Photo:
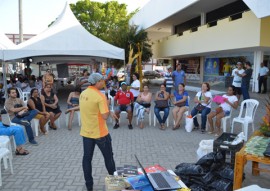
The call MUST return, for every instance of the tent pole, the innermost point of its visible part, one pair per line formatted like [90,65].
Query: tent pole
[4,78]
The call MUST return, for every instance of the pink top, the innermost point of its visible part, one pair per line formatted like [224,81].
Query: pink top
[145,97]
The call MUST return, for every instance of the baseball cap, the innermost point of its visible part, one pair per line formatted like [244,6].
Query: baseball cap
[168,67]
[123,83]
[94,78]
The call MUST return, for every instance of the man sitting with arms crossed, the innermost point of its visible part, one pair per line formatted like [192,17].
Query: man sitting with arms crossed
[11,108]
[123,100]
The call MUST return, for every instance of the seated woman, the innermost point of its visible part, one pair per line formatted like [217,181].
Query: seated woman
[51,105]
[203,99]
[161,100]
[73,101]
[181,105]
[224,109]
[114,86]
[143,104]
[35,103]
[18,133]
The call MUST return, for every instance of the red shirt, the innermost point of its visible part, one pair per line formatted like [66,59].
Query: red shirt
[124,98]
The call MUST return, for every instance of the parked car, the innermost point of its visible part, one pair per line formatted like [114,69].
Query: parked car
[161,72]
[149,74]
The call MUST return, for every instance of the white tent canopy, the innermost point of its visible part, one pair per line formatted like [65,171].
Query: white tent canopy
[66,37]
[5,42]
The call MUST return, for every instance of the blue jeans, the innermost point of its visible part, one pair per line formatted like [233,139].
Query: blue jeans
[166,114]
[16,131]
[105,146]
[245,93]
[168,90]
[28,128]
[204,114]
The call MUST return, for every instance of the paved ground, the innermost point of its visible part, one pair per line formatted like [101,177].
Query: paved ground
[56,163]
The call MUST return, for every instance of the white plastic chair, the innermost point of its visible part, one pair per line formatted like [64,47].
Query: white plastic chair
[5,143]
[5,154]
[23,95]
[155,119]
[122,112]
[248,116]
[224,121]
[78,116]
[35,124]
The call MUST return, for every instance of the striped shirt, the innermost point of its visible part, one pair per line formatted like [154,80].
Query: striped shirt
[86,84]
[169,80]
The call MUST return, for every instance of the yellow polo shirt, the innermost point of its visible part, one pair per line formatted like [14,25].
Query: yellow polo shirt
[92,104]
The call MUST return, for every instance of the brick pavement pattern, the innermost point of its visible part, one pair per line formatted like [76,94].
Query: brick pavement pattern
[56,163]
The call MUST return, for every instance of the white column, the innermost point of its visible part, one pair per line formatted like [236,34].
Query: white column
[258,59]
[203,18]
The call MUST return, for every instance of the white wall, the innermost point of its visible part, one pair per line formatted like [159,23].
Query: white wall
[158,10]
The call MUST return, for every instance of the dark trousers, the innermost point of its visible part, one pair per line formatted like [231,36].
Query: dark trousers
[244,89]
[204,114]
[28,128]
[263,81]
[105,146]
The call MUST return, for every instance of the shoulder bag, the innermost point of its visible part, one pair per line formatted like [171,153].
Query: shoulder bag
[200,106]
[161,103]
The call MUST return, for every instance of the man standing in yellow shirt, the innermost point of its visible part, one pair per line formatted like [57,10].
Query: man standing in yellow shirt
[94,112]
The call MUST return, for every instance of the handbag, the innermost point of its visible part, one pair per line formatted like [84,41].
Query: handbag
[161,103]
[200,107]
[181,104]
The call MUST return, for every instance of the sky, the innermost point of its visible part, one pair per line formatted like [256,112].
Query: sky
[38,14]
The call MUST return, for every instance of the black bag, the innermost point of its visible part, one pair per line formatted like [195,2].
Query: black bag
[145,104]
[161,103]
[21,115]
[112,93]
[200,107]
[189,169]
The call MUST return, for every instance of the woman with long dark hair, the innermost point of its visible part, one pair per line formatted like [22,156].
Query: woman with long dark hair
[35,103]
[51,104]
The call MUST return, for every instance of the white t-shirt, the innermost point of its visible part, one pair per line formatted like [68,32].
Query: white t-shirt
[135,84]
[206,94]
[237,80]
[225,106]
[263,71]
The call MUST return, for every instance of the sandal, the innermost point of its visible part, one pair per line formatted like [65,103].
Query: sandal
[25,152]
[176,127]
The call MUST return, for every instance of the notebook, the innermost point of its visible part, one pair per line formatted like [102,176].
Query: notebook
[160,180]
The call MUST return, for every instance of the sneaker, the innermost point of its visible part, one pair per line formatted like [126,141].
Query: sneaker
[116,126]
[130,126]
[202,131]
[24,122]
[33,142]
